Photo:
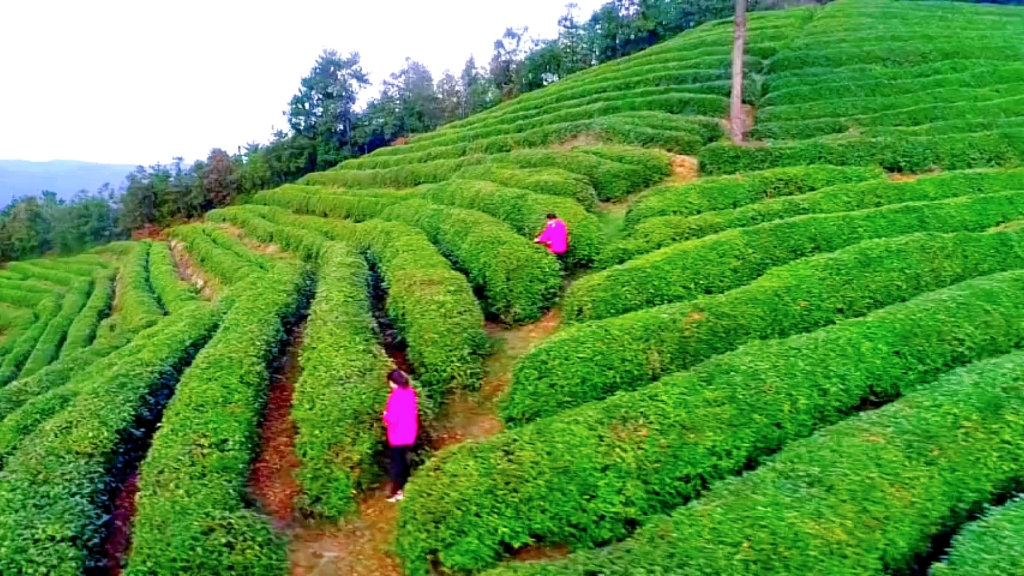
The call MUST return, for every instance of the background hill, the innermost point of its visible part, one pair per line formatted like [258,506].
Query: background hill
[65,177]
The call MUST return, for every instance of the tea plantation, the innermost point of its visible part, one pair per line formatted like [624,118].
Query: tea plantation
[800,355]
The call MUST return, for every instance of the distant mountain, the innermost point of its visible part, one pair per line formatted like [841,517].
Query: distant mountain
[65,177]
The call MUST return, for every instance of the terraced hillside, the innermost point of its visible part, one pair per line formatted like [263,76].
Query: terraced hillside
[797,356]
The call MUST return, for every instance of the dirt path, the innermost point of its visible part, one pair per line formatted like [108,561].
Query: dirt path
[190,272]
[272,478]
[360,546]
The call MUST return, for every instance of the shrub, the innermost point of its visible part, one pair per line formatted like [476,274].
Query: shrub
[589,475]
[897,154]
[174,294]
[55,526]
[897,55]
[714,264]
[524,211]
[138,306]
[13,294]
[896,478]
[48,347]
[83,330]
[594,360]
[338,397]
[726,192]
[952,74]
[46,274]
[214,258]
[550,181]
[915,116]
[611,179]
[990,546]
[347,205]
[519,280]
[656,233]
[23,348]
[191,514]
[432,306]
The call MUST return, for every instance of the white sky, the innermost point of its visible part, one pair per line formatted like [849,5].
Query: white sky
[141,81]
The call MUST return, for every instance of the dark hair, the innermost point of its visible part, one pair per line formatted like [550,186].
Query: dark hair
[399,378]
[552,216]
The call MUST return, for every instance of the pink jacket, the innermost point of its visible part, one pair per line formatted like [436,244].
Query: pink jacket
[401,417]
[555,237]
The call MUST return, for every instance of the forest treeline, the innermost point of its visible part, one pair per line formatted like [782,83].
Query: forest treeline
[326,125]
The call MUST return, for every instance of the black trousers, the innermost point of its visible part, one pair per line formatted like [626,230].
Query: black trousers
[398,466]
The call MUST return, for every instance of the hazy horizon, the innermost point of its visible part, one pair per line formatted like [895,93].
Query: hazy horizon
[126,91]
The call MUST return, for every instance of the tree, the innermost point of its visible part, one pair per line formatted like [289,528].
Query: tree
[220,180]
[477,91]
[449,94]
[323,110]
[736,121]
[505,70]
[420,106]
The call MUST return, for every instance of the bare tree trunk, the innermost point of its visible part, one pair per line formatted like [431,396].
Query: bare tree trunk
[736,120]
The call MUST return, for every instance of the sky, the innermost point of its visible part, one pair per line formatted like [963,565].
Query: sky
[137,82]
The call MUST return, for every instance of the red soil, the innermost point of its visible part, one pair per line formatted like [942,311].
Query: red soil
[272,479]
[119,540]
[684,169]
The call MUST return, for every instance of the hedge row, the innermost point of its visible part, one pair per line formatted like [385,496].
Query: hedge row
[726,192]
[192,516]
[901,55]
[819,83]
[213,257]
[916,116]
[174,294]
[56,489]
[137,306]
[39,273]
[611,180]
[17,321]
[517,280]
[934,77]
[342,388]
[589,475]
[13,294]
[594,360]
[432,306]
[975,93]
[550,181]
[49,345]
[896,154]
[83,330]
[656,233]
[681,134]
[22,349]
[614,176]
[990,546]
[524,211]
[714,264]
[865,496]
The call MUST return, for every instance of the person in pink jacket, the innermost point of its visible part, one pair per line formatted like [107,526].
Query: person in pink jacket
[555,236]
[401,417]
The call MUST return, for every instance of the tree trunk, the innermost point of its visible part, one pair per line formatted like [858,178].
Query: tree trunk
[736,121]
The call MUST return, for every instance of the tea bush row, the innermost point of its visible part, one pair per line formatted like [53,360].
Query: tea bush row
[990,546]
[82,331]
[715,264]
[589,475]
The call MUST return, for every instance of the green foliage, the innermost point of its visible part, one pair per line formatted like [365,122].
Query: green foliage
[988,547]
[896,478]
[338,399]
[589,475]
[29,270]
[524,211]
[715,264]
[897,154]
[432,306]
[519,280]
[213,256]
[191,516]
[49,345]
[594,360]
[727,192]
[55,527]
[138,307]
[175,295]
[25,345]
[83,330]
[550,181]
[656,233]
